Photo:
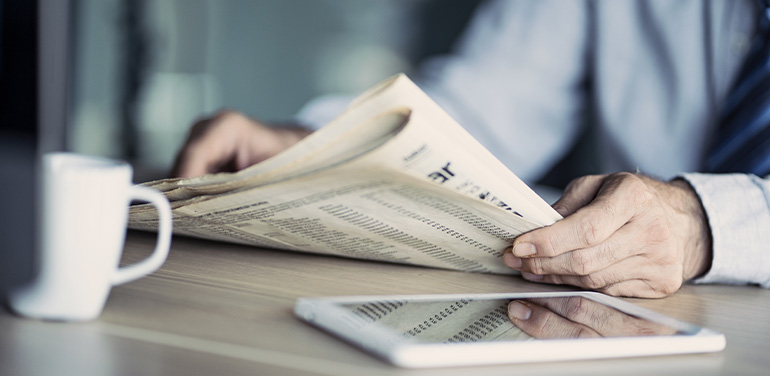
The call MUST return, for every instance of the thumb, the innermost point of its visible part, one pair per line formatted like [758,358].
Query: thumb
[579,193]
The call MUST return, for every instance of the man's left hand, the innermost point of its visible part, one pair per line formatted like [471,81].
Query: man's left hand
[623,234]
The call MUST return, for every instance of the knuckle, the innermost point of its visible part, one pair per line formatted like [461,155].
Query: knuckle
[633,187]
[642,196]
[551,245]
[581,262]
[639,193]
[588,230]
[553,279]
[593,281]
[543,326]
[658,232]
[576,309]
[535,265]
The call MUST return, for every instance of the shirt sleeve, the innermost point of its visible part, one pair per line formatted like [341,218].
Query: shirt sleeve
[738,210]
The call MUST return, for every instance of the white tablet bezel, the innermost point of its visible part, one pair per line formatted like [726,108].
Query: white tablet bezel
[326,313]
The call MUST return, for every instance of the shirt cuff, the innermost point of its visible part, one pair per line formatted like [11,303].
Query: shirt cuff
[739,216]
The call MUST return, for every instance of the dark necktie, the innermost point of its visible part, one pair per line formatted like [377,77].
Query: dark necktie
[742,141]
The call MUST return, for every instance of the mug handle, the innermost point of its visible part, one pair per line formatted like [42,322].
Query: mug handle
[158,256]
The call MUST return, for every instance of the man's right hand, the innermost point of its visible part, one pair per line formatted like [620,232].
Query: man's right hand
[229,141]
[578,317]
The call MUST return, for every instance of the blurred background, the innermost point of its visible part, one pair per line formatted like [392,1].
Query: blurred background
[144,70]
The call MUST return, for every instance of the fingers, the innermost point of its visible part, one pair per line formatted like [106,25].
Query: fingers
[211,145]
[634,276]
[597,316]
[621,245]
[190,163]
[581,313]
[614,205]
[540,322]
[642,288]
[229,142]
[196,160]
[632,262]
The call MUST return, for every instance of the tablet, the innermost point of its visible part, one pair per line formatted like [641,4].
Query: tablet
[419,331]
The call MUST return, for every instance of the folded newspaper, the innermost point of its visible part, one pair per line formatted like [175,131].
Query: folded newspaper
[393,178]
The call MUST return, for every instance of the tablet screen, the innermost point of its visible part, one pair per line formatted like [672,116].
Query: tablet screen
[479,320]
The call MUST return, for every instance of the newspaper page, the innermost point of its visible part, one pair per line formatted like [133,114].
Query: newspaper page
[459,321]
[368,213]
[405,185]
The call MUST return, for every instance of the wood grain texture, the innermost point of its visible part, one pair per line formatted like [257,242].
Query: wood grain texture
[225,309]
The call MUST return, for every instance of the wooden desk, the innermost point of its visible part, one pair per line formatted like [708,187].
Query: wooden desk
[219,309]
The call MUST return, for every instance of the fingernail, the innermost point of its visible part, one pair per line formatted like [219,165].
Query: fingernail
[531,277]
[519,311]
[524,249]
[512,261]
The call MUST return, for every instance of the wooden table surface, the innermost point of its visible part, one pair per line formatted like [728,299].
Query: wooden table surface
[223,309]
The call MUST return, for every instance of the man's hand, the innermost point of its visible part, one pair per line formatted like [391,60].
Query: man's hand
[230,141]
[623,234]
[577,317]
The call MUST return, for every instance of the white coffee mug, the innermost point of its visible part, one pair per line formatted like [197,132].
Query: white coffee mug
[83,220]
